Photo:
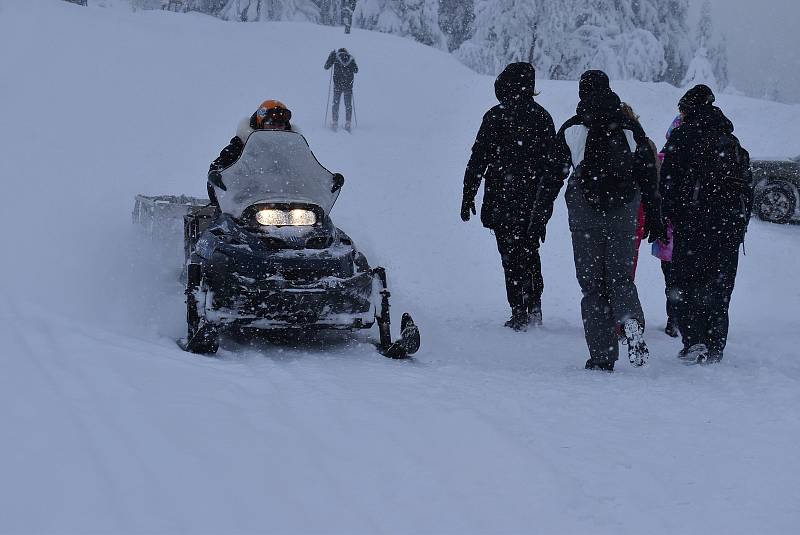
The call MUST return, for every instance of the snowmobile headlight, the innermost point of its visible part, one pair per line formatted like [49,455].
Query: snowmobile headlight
[298,216]
[295,217]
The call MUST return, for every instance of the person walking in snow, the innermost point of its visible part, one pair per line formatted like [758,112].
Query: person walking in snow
[348,7]
[707,187]
[270,115]
[613,171]
[511,155]
[344,71]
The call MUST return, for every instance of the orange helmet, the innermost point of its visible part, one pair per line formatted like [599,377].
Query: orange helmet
[272,114]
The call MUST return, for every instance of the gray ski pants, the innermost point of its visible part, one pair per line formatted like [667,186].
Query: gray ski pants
[603,246]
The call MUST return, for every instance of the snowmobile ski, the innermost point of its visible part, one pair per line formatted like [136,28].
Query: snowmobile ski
[407,344]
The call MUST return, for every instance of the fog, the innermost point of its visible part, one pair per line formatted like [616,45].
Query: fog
[764,45]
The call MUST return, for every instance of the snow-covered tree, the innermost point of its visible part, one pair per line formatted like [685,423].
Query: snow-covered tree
[700,71]
[421,21]
[719,63]
[418,19]
[563,39]
[705,26]
[715,49]
[606,34]
[380,15]
[209,7]
[258,10]
[455,20]
[673,33]
[505,32]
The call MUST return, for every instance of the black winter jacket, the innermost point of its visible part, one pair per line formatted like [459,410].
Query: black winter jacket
[691,187]
[512,154]
[344,69]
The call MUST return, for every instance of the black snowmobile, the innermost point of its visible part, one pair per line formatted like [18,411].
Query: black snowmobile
[270,258]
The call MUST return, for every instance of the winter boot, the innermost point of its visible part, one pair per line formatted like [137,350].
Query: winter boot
[535,313]
[634,338]
[518,321]
[671,329]
[600,364]
[712,356]
[347,126]
[696,354]
[334,126]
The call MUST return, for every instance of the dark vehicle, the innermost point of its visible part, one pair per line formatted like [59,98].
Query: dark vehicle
[271,258]
[777,194]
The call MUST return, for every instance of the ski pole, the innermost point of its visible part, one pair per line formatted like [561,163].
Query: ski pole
[328,99]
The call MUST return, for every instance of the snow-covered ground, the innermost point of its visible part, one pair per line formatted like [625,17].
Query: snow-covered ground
[108,427]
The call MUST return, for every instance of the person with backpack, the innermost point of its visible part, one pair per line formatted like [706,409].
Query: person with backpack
[512,153]
[344,71]
[707,187]
[613,171]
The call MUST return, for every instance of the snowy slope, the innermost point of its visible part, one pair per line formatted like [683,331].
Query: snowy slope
[108,427]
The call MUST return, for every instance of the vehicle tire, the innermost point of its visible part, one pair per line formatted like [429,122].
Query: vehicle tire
[777,203]
[202,336]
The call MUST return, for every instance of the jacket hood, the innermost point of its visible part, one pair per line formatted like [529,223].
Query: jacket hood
[343,57]
[593,83]
[600,108]
[516,84]
[700,96]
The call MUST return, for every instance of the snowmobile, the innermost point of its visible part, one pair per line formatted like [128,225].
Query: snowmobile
[270,258]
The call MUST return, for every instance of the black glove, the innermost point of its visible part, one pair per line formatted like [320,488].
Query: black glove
[467,206]
[655,229]
[537,230]
[338,182]
[215,178]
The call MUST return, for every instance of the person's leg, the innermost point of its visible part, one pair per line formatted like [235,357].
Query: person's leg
[688,279]
[509,248]
[590,250]
[534,265]
[532,283]
[621,290]
[719,296]
[337,95]
[672,323]
[621,236]
[348,107]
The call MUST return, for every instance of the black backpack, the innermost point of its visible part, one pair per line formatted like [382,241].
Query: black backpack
[728,170]
[607,174]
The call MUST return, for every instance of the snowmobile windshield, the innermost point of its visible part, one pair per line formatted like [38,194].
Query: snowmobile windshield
[276,166]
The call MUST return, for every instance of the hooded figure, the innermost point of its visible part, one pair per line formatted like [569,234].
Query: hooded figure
[511,155]
[707,189]
[344,70]
[613,171]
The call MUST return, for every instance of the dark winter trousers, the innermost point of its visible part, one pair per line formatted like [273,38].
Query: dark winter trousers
[603,245]
[348,104]
[523,269]
[672,305]
[704,264]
